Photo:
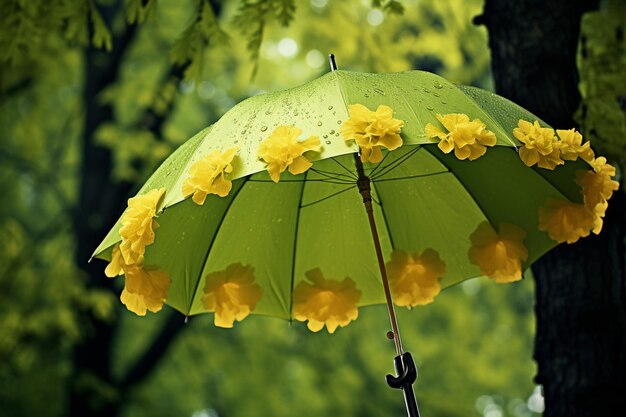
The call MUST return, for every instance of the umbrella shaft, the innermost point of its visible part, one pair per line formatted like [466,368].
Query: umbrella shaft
[363,183]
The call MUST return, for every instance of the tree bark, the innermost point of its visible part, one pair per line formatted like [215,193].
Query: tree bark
[580,289]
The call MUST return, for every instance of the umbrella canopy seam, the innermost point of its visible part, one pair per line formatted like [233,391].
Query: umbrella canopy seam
[208,251]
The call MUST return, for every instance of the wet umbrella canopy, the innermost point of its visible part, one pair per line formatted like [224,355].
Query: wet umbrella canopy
[263,212]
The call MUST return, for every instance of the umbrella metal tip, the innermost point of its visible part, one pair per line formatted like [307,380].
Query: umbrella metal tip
[332,62]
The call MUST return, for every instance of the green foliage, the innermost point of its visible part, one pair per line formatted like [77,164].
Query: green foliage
[138,12]
[254,15]
[201,34]
[390,6]
[602,59]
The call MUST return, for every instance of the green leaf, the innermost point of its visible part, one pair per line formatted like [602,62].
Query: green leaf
[101,34]
[138,12]
[203,33]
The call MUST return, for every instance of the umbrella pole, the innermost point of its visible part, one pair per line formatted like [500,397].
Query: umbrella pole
[403,362]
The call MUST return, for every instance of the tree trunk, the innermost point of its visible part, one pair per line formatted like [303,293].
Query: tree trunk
[581,303]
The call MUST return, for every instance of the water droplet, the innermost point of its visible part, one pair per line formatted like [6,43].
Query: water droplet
[379,91]
[328,142]
[319,123]
[367,95]
[436,94]
[431,108]
[268,112]
[426,90]
[332,132]
[236,141]
[337,134]
[295,113]
[243,132]
[438,85]
[338,122]
[325,136]
[444,102]
[263,128]
[330,107]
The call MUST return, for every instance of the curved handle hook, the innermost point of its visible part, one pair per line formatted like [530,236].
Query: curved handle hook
[407,372]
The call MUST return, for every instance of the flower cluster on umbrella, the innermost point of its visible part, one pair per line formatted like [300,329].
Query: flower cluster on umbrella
[497,250]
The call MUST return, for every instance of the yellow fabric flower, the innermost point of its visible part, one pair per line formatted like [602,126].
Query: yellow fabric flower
[145,289]
[208,176]
[281,150]
[117,264]
[468,139]
[232,294]
[599,211]
[499,255]
[597,185]
[571,146]
[325,302]
[566,221]
[541,146]
[414,279]
[372,130]
[138,225]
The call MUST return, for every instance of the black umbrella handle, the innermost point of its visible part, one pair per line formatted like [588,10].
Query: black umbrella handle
[407,374]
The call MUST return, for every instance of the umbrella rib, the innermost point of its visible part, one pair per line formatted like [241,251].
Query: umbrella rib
[393,246]
[397,163]
[474,199]
[328,181]
[380,164]
[331,176]
[326,198]
[295,245]
[344,167]
[412,176]
[206,256]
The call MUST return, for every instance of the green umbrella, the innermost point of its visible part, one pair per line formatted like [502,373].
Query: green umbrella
[441,169]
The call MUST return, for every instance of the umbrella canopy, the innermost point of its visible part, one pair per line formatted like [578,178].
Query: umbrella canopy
[263,212]
[423,197]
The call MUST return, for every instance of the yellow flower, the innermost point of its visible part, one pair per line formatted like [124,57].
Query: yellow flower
[541,146]
[281,150]
[599,211]
[232,294]
[372,130]
[325,302]
[145,289]
[414,279]
[571,146]
[468,139]
[207,176]
[117,264]
[138,225]
[597,185]
[499,255]
[566,221]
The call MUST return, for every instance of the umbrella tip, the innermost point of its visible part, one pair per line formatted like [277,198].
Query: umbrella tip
[186,319]
[332,62]
[90,259]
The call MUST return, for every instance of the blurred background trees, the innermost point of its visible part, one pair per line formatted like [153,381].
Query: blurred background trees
[95,94]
